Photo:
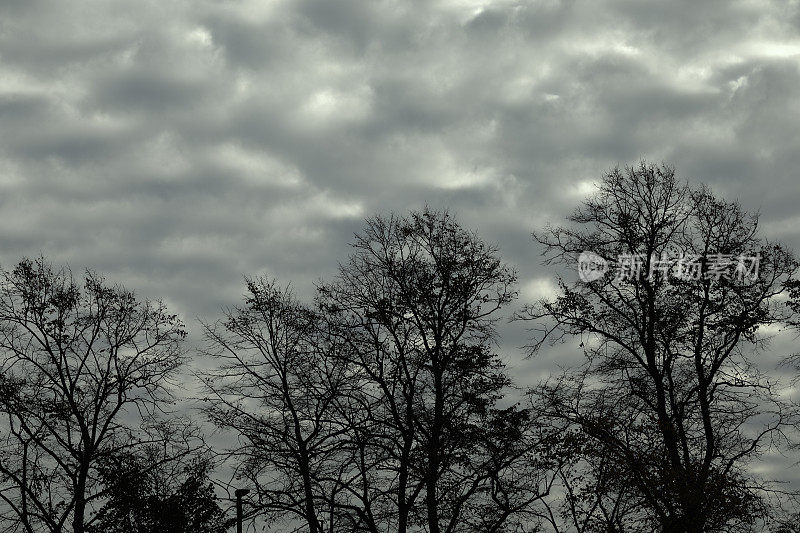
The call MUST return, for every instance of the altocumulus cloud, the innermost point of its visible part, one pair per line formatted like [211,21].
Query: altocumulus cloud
[175,146]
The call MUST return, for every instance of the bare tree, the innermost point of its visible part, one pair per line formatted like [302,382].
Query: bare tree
[84,370]
[379,409]
[671,390]
[591,493]
[275,387]
[416,304]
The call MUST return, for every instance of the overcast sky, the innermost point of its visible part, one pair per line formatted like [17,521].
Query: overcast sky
[176,146]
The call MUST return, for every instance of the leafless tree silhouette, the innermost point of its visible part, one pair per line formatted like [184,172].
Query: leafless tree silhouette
[671,396]
[84,372]
[276,387]
[377,410]
[417,303]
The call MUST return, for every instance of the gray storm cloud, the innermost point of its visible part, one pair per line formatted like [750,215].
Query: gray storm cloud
[175,146]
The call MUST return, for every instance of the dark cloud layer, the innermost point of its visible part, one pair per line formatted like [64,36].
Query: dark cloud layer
[176,146]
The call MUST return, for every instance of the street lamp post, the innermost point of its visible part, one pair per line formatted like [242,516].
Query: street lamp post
[239,493]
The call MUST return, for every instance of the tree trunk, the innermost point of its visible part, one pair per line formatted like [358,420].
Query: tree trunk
[431,501]
[80,504]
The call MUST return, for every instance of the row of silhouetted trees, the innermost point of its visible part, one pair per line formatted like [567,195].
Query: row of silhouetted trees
[382,406]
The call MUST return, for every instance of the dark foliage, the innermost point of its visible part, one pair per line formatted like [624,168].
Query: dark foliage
[170,499]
